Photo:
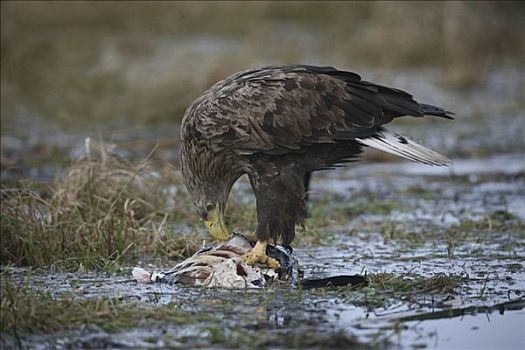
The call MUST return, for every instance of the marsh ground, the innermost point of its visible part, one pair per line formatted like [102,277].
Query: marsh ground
[444,248]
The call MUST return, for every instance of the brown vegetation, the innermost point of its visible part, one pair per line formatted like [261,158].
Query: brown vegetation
[146,61]
[105,212]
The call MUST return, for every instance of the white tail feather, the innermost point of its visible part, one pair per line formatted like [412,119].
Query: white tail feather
[401,146]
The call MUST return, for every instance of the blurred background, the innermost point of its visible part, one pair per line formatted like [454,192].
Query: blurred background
[124,72]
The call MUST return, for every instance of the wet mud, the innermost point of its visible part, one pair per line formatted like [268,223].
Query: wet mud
[435,230]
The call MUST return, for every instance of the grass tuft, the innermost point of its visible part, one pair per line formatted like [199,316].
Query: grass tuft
[401,284]
[104,212]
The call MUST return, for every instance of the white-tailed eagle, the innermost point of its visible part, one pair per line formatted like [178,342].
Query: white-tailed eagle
[279,124]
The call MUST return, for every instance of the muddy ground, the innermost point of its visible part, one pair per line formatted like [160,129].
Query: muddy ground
[444,248]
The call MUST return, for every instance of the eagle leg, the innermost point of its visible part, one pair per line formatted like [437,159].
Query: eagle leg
[258,255]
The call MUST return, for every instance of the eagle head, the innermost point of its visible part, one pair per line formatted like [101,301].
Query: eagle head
[209,178]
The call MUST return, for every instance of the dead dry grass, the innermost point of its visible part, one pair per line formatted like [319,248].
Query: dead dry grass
[103,213]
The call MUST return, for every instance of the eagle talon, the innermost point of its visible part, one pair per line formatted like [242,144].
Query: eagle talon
[258,255]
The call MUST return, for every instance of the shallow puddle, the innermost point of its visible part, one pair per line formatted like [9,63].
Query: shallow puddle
[485,330]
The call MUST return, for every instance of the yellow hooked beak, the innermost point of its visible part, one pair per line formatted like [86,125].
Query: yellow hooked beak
[215,225]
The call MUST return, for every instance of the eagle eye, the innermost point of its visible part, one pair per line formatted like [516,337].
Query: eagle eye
[209,207]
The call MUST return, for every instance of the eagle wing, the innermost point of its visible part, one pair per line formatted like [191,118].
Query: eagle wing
[277,110]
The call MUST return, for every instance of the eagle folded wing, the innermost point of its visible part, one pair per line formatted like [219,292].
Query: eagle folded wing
[277,111]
